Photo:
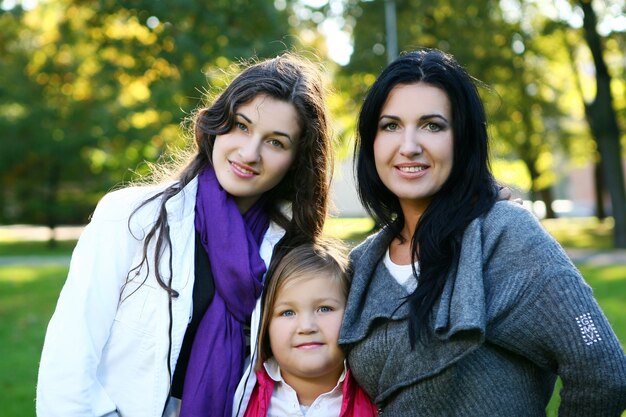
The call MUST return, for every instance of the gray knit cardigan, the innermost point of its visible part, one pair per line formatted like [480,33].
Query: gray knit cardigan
[513,315]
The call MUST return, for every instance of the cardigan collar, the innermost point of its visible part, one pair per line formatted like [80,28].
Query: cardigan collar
[457,324]
[461,307]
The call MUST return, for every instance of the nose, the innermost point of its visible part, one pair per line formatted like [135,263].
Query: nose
[307,323]
[411,144]
[250,151]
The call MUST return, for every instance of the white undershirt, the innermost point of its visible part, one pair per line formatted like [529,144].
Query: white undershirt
[284,401]
[402,273]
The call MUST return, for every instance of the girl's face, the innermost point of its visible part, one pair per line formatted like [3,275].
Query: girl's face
[413,147]
[254,156]
[304,329]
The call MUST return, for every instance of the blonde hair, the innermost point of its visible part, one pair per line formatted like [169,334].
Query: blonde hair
[326,257]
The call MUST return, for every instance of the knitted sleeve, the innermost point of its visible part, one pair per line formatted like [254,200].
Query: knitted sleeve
[556,323]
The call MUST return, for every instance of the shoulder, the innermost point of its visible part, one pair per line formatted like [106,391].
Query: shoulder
[509,222]
[121,203]
[510,240]
[144,202]
[507,215]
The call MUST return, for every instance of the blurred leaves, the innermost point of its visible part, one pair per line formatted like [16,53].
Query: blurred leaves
[91,89]
[533,84]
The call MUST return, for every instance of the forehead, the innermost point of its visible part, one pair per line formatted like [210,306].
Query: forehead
[269,113]
[313,284]
[418,97]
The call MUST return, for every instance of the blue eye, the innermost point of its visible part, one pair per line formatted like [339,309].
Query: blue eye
[433,127]
[276,143]
[390,127]
[325,309]
[287,313]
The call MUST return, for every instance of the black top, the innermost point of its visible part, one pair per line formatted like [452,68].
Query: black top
[203,291]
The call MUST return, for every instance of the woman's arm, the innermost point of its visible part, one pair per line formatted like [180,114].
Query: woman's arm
[555,321]
[79,329]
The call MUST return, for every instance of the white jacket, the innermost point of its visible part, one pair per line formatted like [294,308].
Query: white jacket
[104,353]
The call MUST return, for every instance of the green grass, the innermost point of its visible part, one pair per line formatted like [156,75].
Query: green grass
[36,248]
[350,230]
[28,296]
[582,232]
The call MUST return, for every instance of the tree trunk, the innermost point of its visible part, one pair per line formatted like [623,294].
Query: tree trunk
[603,124]
[544,194]
[600,189]
[548,199]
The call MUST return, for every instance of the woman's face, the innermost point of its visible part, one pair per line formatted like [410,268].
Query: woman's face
[254,156]
[413,147]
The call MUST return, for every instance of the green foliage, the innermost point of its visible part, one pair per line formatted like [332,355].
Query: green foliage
[28,295]
[534,82]
[94,88]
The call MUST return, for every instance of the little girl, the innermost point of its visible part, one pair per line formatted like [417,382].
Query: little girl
[301,370]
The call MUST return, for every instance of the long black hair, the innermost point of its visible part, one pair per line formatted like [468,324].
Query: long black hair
[305,188]
[469,192]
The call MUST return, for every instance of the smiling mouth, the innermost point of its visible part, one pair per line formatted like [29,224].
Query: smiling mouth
[242,169]
[411,169]
[311,345]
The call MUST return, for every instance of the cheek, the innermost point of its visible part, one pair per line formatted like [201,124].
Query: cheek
[285,165]
[278,334]
[332,326]
[218,150]
[450,155]
[380,154]
[281,166]
[378,149]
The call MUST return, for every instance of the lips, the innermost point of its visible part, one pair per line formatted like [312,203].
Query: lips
[309,345]
[242,170]
[411,169]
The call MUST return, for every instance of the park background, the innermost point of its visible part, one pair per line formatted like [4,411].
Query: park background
[92,92]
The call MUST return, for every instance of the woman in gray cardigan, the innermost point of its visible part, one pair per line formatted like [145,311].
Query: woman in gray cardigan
[462,305]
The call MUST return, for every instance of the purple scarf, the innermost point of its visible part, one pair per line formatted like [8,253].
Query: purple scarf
[232,243]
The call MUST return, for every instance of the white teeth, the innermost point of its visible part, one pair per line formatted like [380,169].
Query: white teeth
[242,169]
[411,169]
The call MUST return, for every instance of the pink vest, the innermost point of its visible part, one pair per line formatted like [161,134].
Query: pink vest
[355,402]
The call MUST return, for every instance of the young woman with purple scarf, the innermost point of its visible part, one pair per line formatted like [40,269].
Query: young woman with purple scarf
[161,300]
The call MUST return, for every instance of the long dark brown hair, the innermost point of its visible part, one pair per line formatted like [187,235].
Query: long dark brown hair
[305,188]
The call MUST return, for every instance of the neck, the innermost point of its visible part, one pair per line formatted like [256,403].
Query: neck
[400,248]
[410,223]
[308,389]
[412,212]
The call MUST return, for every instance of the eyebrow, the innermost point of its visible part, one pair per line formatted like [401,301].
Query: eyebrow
[321,300]
[276,132]
[424,117]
